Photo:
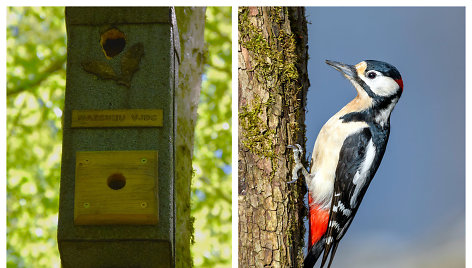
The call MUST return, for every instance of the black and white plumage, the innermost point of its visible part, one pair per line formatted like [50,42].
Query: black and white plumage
[347,154]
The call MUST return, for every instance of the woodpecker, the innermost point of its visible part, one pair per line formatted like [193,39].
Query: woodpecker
[347,153]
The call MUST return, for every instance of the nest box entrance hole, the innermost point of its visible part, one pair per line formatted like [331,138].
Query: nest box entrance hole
[113,42]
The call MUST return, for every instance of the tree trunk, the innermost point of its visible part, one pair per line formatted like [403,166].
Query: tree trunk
[272,85]
[191,24]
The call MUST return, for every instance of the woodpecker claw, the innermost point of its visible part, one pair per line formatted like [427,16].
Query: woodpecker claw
[297,147]
[297,151]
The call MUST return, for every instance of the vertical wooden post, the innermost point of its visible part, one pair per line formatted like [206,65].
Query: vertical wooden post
[117,205]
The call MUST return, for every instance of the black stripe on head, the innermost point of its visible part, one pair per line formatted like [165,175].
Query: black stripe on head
[383,67]
[365,86]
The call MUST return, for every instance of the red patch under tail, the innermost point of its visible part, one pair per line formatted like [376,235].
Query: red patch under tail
[318,221]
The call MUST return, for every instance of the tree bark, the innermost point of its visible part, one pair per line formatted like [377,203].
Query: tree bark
[191,24]
[272,85]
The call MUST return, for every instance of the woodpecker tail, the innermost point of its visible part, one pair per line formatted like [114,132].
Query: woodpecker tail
[314,253]
[318,222]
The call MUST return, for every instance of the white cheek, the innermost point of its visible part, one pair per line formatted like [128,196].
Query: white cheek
[382,85]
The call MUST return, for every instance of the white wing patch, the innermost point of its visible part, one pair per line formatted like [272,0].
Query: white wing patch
[361,175]
[334,224]
[340,206]
[329,240]
[347,212]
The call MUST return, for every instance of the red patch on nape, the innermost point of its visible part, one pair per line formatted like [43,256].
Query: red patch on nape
[318,222]
[400,83]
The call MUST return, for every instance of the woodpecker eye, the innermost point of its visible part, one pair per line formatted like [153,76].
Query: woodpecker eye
[371,75]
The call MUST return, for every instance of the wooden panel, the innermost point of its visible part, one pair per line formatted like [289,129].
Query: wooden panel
[117,118]
[116,187]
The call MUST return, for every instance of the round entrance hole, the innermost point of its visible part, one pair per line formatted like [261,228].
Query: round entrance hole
[113,42]
[116,181]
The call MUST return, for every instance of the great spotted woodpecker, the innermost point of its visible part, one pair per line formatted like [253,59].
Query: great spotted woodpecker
[347,154]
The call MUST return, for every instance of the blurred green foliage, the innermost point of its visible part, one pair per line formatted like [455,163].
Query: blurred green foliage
[36,56]
[211,192]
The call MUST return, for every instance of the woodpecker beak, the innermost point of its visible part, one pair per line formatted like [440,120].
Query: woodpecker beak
[349,71]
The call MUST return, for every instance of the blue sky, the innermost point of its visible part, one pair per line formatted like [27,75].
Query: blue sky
[419,189]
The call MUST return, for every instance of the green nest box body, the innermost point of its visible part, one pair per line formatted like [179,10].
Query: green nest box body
[117,205]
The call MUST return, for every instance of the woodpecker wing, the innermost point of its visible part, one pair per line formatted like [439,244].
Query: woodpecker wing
[358,162]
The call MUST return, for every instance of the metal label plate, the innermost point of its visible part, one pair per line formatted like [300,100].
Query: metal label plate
[117,118]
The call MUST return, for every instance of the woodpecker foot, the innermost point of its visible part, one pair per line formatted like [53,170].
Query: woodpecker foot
[297,151]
